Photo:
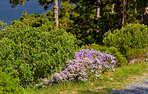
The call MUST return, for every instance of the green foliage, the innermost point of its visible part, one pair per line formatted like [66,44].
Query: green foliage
[33,20]
[120,59]
[80,18]
[140,54]
[9,85]
[2,24]
[31,53]
[83,18]
[109,20]
[131,36]
[65,14]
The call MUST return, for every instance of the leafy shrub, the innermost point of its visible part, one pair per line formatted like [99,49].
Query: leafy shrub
[84,64]
[31,53]
[140,54]
[120,59]
[2,24]
[9,85]
[131,36]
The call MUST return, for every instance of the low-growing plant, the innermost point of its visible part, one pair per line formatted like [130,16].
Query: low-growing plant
[120,59]
[85,63]
[31,53]
[9,85]
[132,36]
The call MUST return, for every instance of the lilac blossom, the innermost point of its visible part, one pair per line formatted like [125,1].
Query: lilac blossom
[85,63]
[132,61]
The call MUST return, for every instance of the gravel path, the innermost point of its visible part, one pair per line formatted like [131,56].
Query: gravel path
[140,86]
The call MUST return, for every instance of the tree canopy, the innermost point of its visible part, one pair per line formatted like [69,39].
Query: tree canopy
[80,16]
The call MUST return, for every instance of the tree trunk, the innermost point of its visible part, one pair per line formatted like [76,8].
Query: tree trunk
[145,17]
[123,13]
[55,12]
[98,12]
[135,7]
[113,6]
[146,10]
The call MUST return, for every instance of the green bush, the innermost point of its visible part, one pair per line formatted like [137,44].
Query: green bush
[9,85]
[120,59]
[31,53]
[131,36]
[33,20]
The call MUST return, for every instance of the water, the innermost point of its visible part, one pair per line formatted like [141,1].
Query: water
[8,14]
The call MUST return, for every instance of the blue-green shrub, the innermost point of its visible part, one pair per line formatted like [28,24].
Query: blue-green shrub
[131,36]
[9,85]
[31,53]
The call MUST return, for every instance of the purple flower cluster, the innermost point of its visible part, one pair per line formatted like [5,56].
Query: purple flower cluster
[98,61]
[85,63]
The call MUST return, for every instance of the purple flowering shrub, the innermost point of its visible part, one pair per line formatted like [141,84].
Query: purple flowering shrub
[85,63]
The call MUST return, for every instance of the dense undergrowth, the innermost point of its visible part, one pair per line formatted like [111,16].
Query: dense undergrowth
[132,36]
[9,85]
[32,53]
[46,57]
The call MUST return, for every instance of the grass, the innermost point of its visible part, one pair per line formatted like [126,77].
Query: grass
[108,81]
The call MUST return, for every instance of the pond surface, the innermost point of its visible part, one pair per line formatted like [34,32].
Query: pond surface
[9,14]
